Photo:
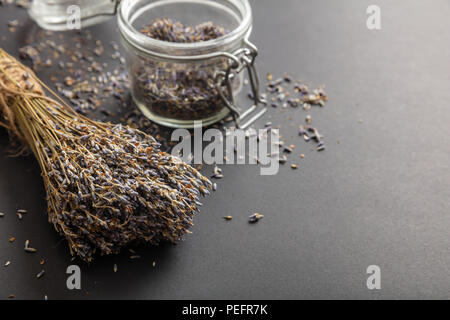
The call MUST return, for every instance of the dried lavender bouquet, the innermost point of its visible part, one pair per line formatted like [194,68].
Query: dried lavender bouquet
[107,185]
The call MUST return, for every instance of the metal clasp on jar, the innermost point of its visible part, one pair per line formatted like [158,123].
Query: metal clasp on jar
[243,58]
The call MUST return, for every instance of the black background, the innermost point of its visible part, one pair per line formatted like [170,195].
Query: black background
[379,197]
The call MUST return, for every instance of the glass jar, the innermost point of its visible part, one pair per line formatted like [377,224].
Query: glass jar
[61,15]
[178,84]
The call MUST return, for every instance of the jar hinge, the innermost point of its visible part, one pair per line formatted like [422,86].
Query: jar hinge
[243,58]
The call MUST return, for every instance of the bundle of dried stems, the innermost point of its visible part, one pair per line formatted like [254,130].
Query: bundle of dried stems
[107,185]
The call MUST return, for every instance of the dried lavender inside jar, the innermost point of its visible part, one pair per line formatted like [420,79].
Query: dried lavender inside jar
[178,90]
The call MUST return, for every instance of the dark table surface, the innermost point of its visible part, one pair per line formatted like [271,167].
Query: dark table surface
[380,197]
